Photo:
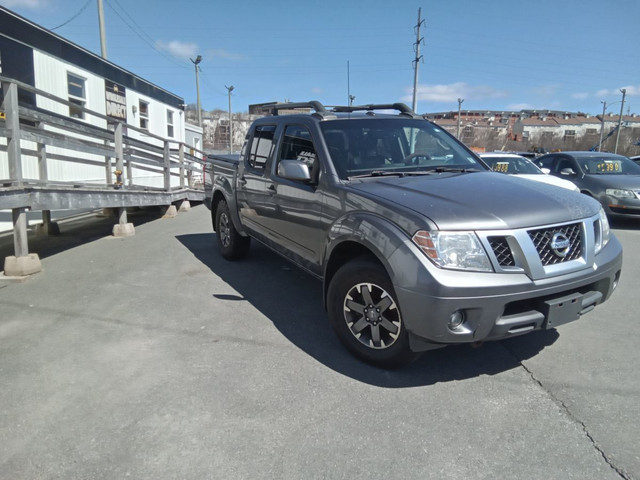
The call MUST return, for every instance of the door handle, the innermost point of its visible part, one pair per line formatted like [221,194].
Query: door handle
[271,188]
[242,181]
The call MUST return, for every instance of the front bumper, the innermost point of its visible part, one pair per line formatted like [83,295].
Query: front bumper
[502,305]
[621,206]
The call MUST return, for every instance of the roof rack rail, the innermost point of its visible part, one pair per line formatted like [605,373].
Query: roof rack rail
[273,109]
[400,107]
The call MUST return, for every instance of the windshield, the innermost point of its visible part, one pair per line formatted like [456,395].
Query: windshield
[511,165]
[609,165]
[363,147]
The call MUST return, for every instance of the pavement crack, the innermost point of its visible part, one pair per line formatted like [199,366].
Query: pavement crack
[621,473]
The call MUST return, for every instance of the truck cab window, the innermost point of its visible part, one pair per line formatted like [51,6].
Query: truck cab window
[261,146]
[298,145]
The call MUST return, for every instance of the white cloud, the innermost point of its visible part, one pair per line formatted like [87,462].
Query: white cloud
[632,90]
[178,49]
[450,93]
[34,4]
[317,91]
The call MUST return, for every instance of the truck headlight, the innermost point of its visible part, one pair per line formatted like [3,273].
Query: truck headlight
[602,231]
[620,193]
[456,250]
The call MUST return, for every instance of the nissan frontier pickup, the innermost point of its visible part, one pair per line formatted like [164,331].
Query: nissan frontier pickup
[417,243]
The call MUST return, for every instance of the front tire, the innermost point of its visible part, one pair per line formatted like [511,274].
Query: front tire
[232,245]
[364,313]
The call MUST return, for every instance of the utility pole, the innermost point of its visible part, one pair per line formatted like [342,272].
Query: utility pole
[416,61]
[460,100]
[230,89]
[348,83]
[604,112]
[624,94]
[196,62]
[103,39]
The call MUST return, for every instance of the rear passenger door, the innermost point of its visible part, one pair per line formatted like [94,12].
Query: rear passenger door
[252,192]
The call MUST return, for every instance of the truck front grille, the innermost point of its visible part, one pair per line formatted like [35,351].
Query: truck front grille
[550,253]
[502,251]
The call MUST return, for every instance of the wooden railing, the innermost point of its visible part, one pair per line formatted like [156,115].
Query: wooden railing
[78,142]
[50,161]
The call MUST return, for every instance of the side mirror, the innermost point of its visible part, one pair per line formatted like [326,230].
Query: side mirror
[294,170]
[546,171]
[567,171]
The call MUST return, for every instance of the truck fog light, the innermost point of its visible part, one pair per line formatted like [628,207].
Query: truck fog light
[456,320]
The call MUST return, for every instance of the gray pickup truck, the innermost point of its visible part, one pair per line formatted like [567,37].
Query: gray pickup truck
[418,244]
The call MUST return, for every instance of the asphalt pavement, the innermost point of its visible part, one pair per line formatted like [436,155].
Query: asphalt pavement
[151,357]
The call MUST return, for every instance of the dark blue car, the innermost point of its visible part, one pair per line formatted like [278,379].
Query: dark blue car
[614,180]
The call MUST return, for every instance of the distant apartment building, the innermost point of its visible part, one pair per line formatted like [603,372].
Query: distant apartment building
[486,130]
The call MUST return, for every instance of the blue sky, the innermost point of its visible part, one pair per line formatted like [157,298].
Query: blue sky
[495,54]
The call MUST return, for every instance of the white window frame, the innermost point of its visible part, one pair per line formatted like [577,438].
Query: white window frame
[78,81]
[144,114]
[170,124]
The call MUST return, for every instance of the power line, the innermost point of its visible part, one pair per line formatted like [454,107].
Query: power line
[74,17]
[147,40]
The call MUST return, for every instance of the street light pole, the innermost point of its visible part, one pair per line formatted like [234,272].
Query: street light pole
[230,89]
[604,112]
[196,62]
[460,100]
[624,94]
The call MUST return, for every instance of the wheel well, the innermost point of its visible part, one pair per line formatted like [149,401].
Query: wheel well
[585,192]
[217,196]
[343,253]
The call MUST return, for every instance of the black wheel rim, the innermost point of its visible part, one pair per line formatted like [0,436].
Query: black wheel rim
[225,230]
[372,316]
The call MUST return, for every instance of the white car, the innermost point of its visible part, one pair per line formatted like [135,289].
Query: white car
[513,164]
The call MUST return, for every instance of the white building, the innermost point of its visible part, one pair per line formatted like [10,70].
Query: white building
[38,57]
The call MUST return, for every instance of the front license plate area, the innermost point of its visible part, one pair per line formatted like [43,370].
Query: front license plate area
[562,310]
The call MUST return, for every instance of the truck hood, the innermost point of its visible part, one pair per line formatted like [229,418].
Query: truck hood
[481,200]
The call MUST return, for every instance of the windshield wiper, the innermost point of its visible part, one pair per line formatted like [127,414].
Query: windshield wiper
[455,169]
[379,173]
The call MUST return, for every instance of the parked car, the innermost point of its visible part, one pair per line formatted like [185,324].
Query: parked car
[417,243]
[513,164]
[614,180]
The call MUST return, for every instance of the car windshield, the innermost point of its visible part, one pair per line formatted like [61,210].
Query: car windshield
[608,165]
[512,165]
[390,146]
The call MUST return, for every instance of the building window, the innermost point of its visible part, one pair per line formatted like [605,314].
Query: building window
[77,95]
[569,134]
[169,123]
[144,114]
[592,131]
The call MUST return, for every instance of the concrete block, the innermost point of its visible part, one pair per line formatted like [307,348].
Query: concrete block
[185,206]
[171,212]
[22,266]
[44,229]
[124,230]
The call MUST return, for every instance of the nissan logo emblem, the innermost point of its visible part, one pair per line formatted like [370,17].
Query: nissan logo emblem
[560,244]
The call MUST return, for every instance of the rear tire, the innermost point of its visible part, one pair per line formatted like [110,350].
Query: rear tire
[364,313]
[232,245]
